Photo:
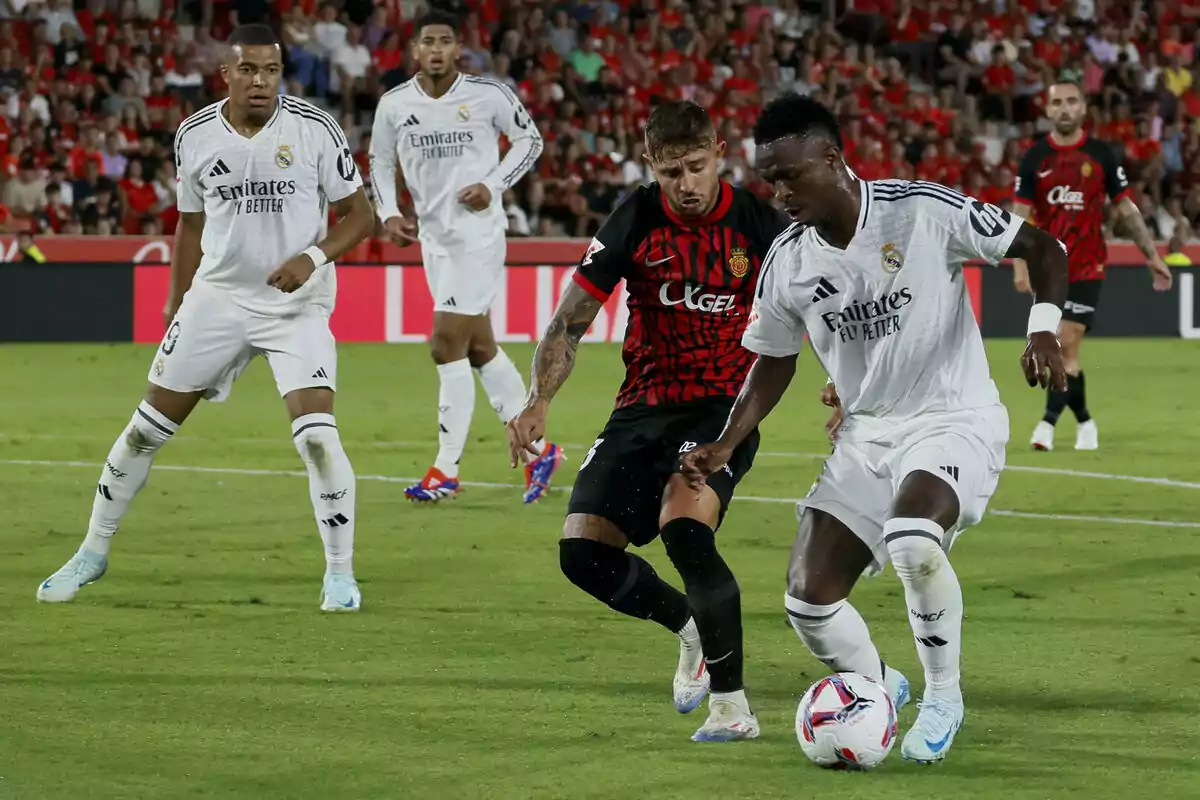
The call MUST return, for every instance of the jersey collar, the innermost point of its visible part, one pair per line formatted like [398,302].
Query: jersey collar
[867,198]
[1082,138]
[228,127]
[421,90]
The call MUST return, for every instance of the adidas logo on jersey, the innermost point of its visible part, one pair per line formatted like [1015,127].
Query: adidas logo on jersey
[412,120]
[320,373]
[825,290]
[219,169]
[450,302]
[951,471]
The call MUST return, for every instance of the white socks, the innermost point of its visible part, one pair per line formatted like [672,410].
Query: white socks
[125,472]
[331,487]
[837,635]
[505,390]
[456,404]
[934,597]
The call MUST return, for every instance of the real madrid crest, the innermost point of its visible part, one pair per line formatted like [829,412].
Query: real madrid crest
[1086,169]
[893,259]
[283,156]
[464,113]
[739,263]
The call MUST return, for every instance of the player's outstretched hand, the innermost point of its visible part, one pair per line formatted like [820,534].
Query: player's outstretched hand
[703,460]
[1042,362]
[476,197]
[526,428]
[401,230]
[829,397]
[1162,274]
[294,273]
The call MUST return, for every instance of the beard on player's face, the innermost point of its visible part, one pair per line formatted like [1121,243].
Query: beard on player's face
[689,176]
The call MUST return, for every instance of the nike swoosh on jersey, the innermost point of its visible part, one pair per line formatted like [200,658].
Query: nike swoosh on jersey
[660,261]
[1044,174]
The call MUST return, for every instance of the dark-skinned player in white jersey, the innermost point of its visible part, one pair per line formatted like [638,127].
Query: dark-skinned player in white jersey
[871,273]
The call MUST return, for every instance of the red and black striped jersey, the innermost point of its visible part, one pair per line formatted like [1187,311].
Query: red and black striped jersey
[1068,188]
[691,286]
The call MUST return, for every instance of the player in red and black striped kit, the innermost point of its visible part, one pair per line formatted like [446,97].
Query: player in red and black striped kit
[689,248]
[1063,183]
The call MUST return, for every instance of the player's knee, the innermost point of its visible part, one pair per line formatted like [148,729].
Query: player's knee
[692,547]
[581,559]
[447,346]
[148,430]
[317,440]
[810,589]
[481,353]
[915,547]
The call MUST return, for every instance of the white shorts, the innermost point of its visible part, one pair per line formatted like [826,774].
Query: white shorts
[466,281]
[212,340]
[860,479]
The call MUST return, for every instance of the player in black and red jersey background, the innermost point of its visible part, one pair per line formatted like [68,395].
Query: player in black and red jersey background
[689,248]
[1064,182]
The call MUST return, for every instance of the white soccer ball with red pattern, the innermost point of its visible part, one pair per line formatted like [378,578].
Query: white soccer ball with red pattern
[846,721]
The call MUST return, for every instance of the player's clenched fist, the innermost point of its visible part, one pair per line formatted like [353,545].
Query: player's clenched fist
[1042,362]
[526,428]
[829,397]
[703,460]
[401,230]
[476,197]
[294,273]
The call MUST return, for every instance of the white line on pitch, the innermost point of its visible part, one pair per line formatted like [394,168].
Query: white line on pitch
[351,444]
[277,473]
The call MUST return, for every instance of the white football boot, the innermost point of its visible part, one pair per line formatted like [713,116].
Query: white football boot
[896,685]
[1043,437]
[930,737]
[729,719]
[691,676]
[85,567]
[340,593]
[1087,437]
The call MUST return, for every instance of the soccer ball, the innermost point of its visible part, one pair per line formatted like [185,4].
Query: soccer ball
[846,721]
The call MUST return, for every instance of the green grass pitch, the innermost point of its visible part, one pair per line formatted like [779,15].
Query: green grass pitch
[201,667]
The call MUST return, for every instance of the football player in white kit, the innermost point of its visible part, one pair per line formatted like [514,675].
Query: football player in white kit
[252,274]
[438,134]
[872,273]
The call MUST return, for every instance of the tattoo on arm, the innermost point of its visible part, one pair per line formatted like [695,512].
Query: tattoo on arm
[555,355]
[1135,226]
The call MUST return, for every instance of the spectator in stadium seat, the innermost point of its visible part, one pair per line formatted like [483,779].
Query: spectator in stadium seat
[127,97]
[351,62]
[305,53]
[58,174]
[112,160]
[25,194]
[69,50]
[1171,221]
[1178,76]
[586,61]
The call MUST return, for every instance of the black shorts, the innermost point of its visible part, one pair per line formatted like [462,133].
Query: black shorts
[1082,299]
[623,476]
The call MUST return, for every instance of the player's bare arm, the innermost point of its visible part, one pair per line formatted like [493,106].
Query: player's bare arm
[1135,226]
[356,220]
[1020,268]
[766,383]
[552,364]
[185,260]
[1047,264]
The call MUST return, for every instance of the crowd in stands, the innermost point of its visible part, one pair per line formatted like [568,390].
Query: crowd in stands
[943,90]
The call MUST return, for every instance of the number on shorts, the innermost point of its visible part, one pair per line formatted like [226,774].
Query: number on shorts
[168,345]
[590,455]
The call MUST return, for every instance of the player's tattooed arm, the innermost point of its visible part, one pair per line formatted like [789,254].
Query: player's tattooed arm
[1046,260]
[1135,227]
[552,364]
[555,355]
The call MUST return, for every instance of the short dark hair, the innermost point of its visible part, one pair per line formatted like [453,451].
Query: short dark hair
[436,17]
[794,115]
[676,124]
[255,35]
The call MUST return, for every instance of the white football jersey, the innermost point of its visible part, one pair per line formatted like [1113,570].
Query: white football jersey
[889,317]
[445,144]
[265,199]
